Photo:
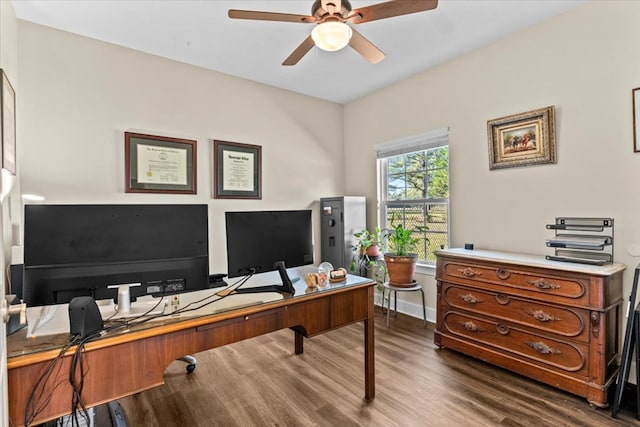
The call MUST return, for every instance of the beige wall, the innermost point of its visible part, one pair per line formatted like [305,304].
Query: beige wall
[10,183]
[585,63]
[9,41]
[9,64]
[78,97]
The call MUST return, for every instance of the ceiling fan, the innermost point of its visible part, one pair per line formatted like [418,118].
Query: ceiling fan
[332,32]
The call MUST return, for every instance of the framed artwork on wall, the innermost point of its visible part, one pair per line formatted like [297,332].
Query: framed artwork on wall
[159,164]
[635,100]
[237,170]
[523,139]
[8,124]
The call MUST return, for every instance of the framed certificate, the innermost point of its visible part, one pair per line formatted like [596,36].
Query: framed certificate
[237,170]
[8,124]
[158,164]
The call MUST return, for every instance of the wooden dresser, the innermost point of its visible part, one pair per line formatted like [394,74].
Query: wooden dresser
[555,322]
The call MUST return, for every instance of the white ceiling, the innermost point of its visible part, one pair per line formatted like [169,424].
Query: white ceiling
[200,33]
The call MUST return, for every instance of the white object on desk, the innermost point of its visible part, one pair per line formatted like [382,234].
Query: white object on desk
[47,320]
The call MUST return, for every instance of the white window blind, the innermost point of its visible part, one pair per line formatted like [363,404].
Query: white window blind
[424,141]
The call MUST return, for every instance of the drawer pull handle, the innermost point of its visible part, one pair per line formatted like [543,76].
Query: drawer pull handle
[542,348]
[595,323]
[502,329]
[472,327]
[470,299]
[543,284]
[542,316]
[503,273]
[502,299]
[469,272]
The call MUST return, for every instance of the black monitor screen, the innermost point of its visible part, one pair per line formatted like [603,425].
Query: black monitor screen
[256,240]
[77,250]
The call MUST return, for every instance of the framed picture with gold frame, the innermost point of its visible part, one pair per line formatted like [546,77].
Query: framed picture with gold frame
[159,164]
[524,139]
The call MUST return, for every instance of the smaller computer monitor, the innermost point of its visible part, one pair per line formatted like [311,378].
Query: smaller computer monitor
[261,241]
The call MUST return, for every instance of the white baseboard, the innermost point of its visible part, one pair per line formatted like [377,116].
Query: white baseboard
[411,309]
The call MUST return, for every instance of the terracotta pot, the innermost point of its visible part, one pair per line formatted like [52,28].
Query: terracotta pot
[373,250]
[401,269]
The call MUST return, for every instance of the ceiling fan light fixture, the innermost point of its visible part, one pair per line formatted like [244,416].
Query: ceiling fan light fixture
[331,36]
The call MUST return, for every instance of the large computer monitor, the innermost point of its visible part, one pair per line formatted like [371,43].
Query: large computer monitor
[93,250]
[261,241]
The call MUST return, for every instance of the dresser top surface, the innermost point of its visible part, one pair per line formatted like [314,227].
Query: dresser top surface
[530,260]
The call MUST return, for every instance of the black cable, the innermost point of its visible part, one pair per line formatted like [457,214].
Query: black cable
[36,402]
[76,379]
[77,371]
[232,287]
[126,322]
[186,308]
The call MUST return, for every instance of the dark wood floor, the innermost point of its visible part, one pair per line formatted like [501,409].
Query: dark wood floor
[261,382]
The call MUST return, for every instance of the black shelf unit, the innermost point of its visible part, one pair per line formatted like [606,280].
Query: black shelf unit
[582,240]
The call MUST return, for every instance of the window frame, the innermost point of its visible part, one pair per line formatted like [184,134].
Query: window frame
[421,142]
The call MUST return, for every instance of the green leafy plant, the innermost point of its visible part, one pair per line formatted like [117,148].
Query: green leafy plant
[401,240]
[364,264]
[365,239]
[380,276]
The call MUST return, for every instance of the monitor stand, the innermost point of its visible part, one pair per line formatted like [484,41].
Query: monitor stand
[124,296]
[286,287]
[124,307]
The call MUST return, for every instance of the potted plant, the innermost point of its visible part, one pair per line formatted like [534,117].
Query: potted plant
[366,254]
[370,242]
[400,260]
[366,250]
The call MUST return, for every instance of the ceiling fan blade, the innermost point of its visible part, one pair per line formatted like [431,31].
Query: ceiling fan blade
[269,16]
[300,51]
[389,9]
[365,48]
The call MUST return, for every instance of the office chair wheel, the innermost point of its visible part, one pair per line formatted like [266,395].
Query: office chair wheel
[190,361]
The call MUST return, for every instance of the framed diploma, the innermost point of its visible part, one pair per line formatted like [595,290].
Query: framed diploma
[8,124]
[238,172]
[158,164]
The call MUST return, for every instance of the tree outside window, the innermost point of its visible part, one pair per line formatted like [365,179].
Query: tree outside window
[416,194]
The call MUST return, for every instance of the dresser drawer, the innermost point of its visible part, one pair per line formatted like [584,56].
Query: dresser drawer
[539,284]
[556,322]
[561,356]
[563,321]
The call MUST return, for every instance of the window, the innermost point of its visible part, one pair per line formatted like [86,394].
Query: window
[414,189]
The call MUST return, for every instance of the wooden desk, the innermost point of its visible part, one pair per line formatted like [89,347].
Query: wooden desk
[121,364]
